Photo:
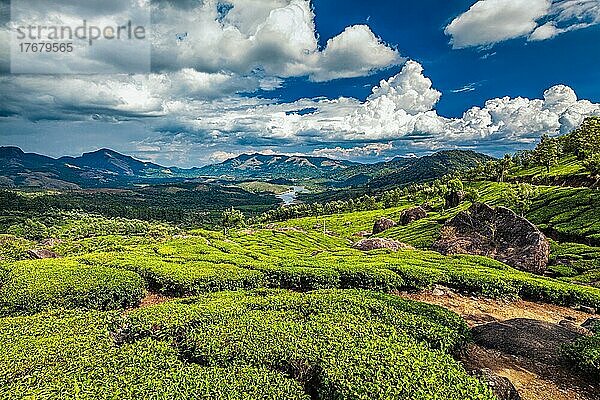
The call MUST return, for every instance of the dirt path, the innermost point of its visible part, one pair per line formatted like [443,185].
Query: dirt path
[153,299]
[533,380]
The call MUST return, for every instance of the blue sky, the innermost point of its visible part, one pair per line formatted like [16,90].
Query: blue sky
[416,28]
[301,77]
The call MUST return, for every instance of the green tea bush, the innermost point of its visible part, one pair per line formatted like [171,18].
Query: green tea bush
[309,261]
[180,278]
[337,344]
[36,285]
[198,277]
[71,355]
[585,353]
[14,248]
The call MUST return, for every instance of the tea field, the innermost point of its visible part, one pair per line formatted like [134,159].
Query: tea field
[285,310]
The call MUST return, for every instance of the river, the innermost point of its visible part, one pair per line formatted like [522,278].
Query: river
[290,197]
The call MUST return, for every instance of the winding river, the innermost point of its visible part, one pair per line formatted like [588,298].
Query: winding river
[290,197]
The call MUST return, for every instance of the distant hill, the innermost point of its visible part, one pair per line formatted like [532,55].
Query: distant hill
[415,170]
[107,168]
[253,166]
[101,168]
[402,171]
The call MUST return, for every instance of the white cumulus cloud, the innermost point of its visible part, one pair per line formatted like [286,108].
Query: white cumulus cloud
[492,21]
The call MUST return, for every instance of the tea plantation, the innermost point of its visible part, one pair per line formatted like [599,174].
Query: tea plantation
[287,310]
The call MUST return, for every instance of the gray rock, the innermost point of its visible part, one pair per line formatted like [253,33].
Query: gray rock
[383,224]
[412,214]
[39,254]
[536,340]
[380,243]
[502,387]
[573,327]
[498,233]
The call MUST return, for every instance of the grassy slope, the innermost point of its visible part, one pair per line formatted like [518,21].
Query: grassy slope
[567,166]
[296,255]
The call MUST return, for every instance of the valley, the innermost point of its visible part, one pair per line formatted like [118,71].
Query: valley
[205,285]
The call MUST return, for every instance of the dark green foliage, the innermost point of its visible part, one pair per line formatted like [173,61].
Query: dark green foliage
[33,286]
[428,168]
[547,152]
[231,218]
[592,164]
[189,205]
[585,353]
[585,140]
[519,197]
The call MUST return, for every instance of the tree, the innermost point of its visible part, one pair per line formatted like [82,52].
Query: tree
[592,164]
[455,194]
[547,152]
[520,197]
[231,218]
[585,140]
[505,165]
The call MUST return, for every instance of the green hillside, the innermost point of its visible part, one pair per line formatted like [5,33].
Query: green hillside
[282,306]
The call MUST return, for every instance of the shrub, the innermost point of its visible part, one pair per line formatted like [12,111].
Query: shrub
[32,286]
[585,353]
[70,355]
[338,344]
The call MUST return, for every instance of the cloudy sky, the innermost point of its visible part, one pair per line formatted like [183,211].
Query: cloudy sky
[365,81]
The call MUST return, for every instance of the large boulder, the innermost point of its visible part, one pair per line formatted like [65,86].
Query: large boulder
[383,224]
[538,341]
[498,233]
[453,199]
[412,214]
[502,387]
[380,243]
[39,254]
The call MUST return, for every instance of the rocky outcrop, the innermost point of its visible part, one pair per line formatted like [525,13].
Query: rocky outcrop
[592,324]
[412,214]
[502,387]
[383,224]
[538,341]
[380,243]
[453,199]
[39,254]
[498,233]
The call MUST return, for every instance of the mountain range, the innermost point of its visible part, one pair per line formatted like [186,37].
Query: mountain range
[108,168]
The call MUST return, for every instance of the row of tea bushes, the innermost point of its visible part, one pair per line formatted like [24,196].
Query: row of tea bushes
[71,355]
[337,344]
